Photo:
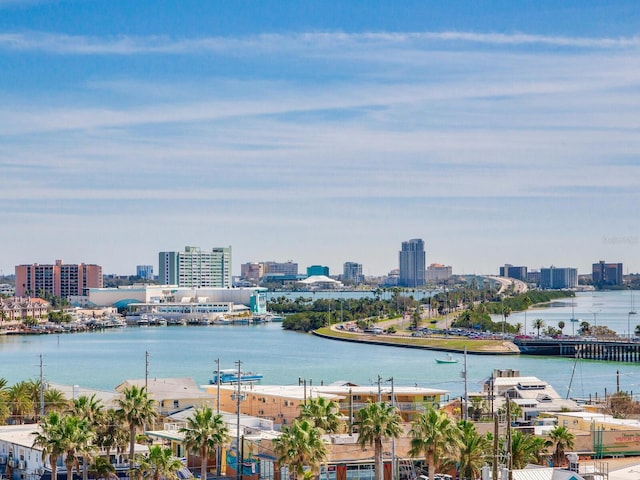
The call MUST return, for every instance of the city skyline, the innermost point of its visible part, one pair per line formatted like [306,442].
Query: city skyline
[321,133]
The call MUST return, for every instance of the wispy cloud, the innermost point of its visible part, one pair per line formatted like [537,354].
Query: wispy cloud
[316,41]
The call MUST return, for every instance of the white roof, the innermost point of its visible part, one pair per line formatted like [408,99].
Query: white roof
[320,279]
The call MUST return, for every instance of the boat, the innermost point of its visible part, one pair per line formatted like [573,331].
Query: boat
[448,359]
[230,375]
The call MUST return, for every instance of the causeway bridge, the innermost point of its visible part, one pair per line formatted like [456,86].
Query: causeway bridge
[607,350]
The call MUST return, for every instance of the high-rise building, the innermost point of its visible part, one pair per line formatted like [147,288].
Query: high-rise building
[60,279]
[606,274]
[555,278]
[352,273]
[436,272]
[317,270]
[196,268]
[278,268]
[144,271]
[519,273]
[412,263]
[251,271]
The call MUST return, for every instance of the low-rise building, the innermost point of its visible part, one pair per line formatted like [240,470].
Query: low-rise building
[281,403]
[16,309]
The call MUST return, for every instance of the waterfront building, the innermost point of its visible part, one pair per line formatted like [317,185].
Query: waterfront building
[321,282]
[412,263]
[59,279]
[532,395]
[181,301]
[436,272]
[518,273]
[317,270]
[7,290]
[556,278]
[196,268]
[16,309]
[352,273]
[144,271]
[606,274]
[533,277]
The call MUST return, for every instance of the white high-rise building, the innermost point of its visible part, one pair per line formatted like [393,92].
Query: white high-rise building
[196,268]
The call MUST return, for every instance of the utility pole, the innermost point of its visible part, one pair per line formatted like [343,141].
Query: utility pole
[146,371]
[509,462]
[238,459]
[495,448]
[465,406]
[379,389]
[218,448]
[393,440]
[41,388]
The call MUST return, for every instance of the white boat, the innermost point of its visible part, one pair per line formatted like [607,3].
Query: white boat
[448,359]
[230,375]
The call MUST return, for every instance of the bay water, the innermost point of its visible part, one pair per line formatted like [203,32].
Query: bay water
[103,359]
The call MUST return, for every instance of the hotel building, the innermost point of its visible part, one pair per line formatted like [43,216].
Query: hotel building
[196,268]
[60,279]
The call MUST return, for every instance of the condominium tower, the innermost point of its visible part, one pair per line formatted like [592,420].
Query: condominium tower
[62,280]
[196,268]
[412,263]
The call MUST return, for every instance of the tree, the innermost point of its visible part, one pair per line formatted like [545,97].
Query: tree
[111,432]
[538,323]
[204,432]
[20,402]
[102,468]
[585,328]
[562,440]
[300,445]
[322,413]
[4,400]
[525,448]
[561,326]
[160,463]
[49,439]
[135,408]
[88,408]
[76,436]
[376,422]
[473,448]
[54,400]
[436,436]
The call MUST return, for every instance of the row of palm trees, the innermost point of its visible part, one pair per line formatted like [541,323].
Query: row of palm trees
[434,436]
[86,427]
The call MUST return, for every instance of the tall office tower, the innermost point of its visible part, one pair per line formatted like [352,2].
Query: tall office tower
[196,268]
[412,263]
[519,273]
[144,271]
[352,272]
[61,280]
[555,278]
[606,274]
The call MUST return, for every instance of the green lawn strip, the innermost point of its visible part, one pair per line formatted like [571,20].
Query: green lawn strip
[448,343]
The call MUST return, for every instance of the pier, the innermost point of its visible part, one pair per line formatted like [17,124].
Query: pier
[607,350]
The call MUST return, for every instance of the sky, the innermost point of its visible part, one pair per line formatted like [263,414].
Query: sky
[321,132]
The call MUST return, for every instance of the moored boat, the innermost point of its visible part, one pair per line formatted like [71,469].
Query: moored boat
[230,375]
[448,359]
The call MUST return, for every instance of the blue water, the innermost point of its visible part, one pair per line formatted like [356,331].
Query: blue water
[104,359]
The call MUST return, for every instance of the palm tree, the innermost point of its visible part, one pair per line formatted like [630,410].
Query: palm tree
[49,440]
[322,413]
[298,446]
[376,422]
[4,401]
[20,401]
[160,463]
[54,400]
[204,432]
[111,432]
[102,468]
[436,436]
[561,440]
[473,447]
[585,328]
[135,408]
[561,326]
[76,438]
[538,323]
[525,449]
